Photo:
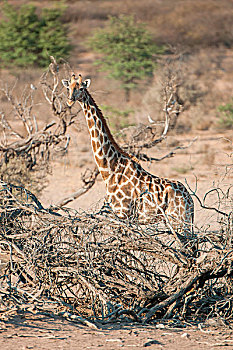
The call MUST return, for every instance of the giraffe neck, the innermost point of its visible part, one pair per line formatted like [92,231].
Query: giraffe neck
[106,151]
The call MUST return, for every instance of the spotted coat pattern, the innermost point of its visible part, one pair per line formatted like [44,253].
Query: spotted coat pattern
[132,192]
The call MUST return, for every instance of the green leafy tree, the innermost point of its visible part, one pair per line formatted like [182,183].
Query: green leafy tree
[19,35]
[52,36]
[128,51]
[27,39]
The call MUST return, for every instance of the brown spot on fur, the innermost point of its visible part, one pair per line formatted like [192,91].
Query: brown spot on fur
[105,148]
[124,161]
[122,179]
[111,180]
[100,152]
[150,186]
[128,172]
[126,189]
[104,174]
[113,163]
[119,195]
[99,124]
[112,189]
[104,163]
[90,123]
[121,168]
[148,179]
[94,146]
[162,187]
[93,110]
[96,132]
[138,174]
[143,175]
[157,188]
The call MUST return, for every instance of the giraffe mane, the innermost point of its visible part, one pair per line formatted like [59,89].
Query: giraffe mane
[110,136]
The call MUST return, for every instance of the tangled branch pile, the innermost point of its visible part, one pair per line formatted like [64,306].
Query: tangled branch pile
[96,268]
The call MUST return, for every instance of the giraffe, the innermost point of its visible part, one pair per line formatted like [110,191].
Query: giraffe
[132,192]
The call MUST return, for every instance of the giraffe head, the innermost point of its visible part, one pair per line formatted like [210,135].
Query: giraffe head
[76,88]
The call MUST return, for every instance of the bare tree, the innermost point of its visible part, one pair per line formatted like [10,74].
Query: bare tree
[25,155]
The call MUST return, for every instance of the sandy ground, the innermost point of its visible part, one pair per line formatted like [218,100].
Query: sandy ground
[41,332]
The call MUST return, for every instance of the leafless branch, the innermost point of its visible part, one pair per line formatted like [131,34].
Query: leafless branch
[173,106]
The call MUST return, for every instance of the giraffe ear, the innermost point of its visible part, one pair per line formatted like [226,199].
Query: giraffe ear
[87,83]
[65,83]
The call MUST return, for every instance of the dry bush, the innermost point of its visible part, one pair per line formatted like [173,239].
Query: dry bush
[187,88]
[94,268]
[205,82]
[27,146]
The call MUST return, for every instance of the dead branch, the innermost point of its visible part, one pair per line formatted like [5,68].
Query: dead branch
[218,191]
[32,147]
[185,288]
[144,157]
[173,106]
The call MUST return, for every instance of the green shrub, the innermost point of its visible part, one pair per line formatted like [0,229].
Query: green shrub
[225,116]
[53,36]
[127,51]
[27,39]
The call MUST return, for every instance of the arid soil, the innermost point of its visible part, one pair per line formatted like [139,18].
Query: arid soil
[42,332]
